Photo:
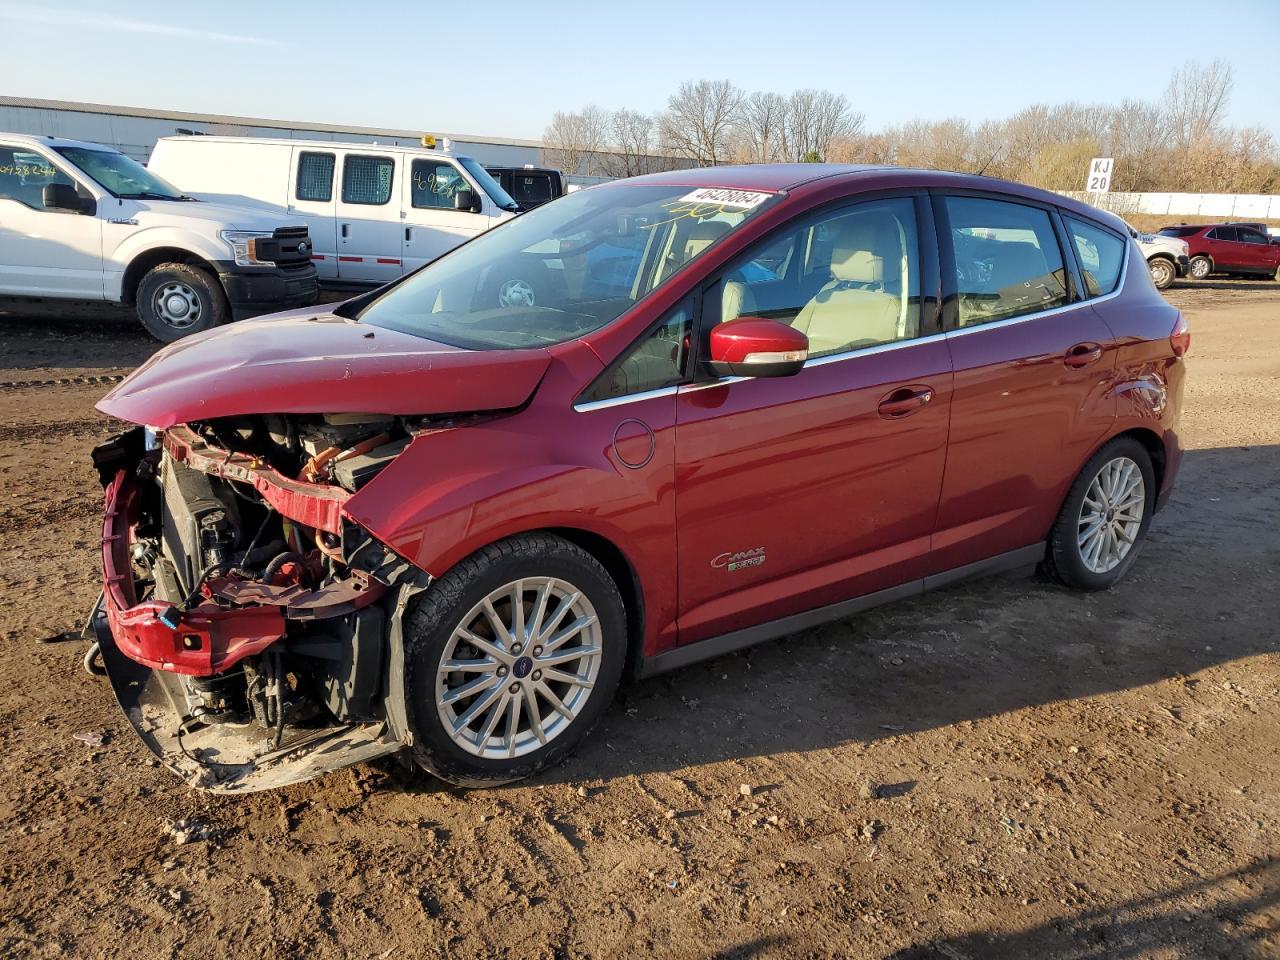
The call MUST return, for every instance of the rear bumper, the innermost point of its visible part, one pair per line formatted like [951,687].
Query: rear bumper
[256,290]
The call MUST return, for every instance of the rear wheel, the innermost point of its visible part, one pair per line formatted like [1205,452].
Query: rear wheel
[1104,519]
[1200,267]
[511,659]
[178,299]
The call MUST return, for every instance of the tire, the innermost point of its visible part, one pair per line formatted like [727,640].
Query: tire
[1276,276]
[487,750]
[176,300]
[1067,559]
[1200,267]
[1162,272]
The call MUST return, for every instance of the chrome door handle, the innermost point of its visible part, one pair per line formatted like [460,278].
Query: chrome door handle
[904,401]
[1083,354]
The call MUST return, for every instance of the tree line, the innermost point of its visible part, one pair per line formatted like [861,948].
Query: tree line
[1178,142]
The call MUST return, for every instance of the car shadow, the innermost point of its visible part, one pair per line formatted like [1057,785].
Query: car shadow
[1231,915]
[1202,593]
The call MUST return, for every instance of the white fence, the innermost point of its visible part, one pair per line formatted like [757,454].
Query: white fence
[1229,206]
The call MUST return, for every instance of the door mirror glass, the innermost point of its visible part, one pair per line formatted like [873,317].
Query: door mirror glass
[466,200]
[62,196]
[757,347]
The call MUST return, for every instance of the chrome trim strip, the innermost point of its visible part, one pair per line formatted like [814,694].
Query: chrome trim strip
[877,348]
[629,398]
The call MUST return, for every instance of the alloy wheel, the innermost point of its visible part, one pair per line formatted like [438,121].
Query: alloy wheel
[1111,515]
[519,668]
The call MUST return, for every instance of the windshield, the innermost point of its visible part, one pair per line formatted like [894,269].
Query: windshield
[1179,231]
[121,175]
[490,185]
[562,270]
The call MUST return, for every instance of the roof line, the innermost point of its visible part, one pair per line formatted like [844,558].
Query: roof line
[189,117]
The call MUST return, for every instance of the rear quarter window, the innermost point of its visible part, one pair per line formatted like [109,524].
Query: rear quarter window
[1101,256]
[315,177]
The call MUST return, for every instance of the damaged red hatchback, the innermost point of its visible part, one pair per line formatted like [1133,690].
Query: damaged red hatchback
[651,422]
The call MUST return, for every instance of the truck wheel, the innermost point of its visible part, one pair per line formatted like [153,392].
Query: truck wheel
[1104,519]
[177,299]
[1200,267]
[1162,272]
[510,659]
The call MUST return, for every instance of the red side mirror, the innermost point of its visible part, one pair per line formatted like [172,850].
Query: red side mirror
[756,347]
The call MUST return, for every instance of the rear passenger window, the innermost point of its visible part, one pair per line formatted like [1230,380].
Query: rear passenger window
[847,279]
[367,180]
[315,177]
[1007,260]
[435,184]
[1101,256]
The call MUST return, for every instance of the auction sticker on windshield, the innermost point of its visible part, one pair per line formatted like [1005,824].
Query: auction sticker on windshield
[727,198]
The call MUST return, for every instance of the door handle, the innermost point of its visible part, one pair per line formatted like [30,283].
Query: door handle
[904,401]
[1083,354]
[408,234]
[345,226]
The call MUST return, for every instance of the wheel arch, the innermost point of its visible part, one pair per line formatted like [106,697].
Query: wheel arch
[1154,446]
[623,571]
[143,263]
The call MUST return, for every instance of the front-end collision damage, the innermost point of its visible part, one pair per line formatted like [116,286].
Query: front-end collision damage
[249,626]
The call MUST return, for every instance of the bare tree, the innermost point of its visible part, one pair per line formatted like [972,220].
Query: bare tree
[1196,100]
[763,127]
[631,150]
[573,142]
[816,118]
[700,120]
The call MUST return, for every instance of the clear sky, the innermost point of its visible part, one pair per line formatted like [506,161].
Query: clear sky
[502,69]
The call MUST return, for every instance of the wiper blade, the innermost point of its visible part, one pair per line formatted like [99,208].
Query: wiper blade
[146,195]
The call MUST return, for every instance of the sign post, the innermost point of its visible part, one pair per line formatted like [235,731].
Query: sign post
[1099,180]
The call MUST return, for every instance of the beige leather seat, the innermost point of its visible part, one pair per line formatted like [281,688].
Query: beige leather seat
[697,239]
[854,309]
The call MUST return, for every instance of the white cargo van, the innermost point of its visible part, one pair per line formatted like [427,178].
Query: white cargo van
[374,212]
[80,221]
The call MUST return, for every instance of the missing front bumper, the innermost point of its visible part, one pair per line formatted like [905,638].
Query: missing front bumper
[222,757]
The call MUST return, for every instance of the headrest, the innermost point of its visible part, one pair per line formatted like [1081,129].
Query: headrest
[703,235]
[856,256]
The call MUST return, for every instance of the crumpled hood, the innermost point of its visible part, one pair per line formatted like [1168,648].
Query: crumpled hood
[304,362]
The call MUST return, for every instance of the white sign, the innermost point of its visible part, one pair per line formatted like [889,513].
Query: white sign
[1099,180]
[727,198]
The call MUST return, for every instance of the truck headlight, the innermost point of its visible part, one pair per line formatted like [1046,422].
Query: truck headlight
[243,245]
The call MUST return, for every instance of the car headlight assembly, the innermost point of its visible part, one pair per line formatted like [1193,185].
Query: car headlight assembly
[243,245]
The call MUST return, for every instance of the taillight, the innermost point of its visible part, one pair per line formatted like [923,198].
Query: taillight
[1180,339]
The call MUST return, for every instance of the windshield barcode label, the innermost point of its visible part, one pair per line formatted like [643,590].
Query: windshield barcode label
[727,198]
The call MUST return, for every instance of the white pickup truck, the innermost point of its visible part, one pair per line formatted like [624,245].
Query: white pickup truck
[1167,257]
[81,221]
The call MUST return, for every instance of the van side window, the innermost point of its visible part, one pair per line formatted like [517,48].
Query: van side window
[435,184]
[1007,260]
[315,177]
[1101,256]
[24,175]
[367,180]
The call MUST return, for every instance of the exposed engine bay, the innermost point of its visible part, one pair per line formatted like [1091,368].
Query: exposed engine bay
[244,616]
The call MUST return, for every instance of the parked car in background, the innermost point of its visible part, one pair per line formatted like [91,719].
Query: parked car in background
[375,212]
[1167,257]
[430,521]
[81,221]
[1227,248]
[529,186]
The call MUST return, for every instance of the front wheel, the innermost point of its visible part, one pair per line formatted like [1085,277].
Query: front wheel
[1162,273]
[178,299]
[1104,519]
[1199,267]
[511,658]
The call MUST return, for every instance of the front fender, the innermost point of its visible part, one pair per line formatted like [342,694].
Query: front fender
[455,490]
[123,244]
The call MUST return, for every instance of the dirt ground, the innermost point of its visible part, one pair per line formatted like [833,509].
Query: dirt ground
[1002,769]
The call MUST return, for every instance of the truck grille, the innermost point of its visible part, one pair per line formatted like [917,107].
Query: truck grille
[287,247]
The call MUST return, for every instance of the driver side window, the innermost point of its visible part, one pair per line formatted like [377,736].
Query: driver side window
[660,359]
[434,184]
[24,175]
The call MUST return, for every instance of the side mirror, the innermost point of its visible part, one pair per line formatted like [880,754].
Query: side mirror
[756,347]
[466,200]
[63,196]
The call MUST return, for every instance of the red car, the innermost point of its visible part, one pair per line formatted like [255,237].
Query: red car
[651,422]
[1230,248]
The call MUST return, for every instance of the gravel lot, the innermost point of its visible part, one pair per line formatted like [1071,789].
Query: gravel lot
[1002,769]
